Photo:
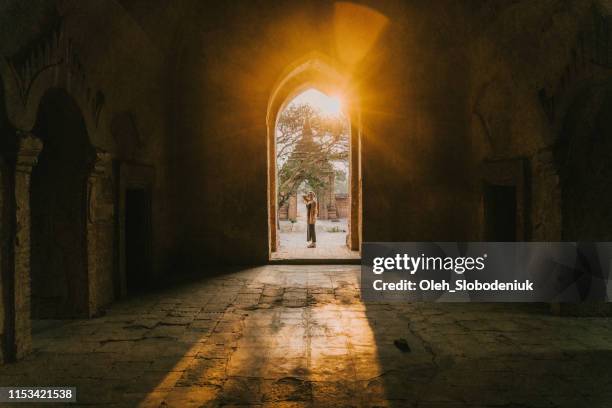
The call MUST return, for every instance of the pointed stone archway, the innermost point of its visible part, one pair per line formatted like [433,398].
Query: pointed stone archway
[319,72]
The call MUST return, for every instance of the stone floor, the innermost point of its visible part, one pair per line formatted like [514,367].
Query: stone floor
[299,336]
[331,241]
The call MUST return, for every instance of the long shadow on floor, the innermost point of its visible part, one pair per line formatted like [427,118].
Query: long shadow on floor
[299,336]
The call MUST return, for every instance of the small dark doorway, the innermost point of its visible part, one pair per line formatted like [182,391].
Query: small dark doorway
[137,239]
[500,213]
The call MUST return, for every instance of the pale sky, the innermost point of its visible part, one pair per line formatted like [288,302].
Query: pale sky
[331,105]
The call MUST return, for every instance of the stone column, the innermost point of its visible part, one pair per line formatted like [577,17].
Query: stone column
[28,149]
[99,255]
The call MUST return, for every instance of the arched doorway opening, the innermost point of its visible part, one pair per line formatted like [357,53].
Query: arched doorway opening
[312,155]
[59,278]
[313,145]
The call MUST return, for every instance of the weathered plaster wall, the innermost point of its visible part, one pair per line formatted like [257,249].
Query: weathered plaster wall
[417,175]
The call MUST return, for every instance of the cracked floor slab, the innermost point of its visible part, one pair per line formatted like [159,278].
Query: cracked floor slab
[299,336]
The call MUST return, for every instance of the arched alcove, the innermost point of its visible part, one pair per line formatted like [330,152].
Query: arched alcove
[317,72]
[59,277]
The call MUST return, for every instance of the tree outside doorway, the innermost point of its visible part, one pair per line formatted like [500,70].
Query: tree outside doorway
[312,154]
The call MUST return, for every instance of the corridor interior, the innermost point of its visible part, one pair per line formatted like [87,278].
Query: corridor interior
[142,227]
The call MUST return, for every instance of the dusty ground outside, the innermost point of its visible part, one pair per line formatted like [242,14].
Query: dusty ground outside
[299,336]
[331,241]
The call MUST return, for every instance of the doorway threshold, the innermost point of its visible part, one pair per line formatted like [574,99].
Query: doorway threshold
[314,261]
[322,255]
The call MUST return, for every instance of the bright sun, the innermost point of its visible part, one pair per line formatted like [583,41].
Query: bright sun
[328,105]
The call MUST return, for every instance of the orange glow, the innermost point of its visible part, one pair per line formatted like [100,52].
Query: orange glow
[356,28]
[271,350]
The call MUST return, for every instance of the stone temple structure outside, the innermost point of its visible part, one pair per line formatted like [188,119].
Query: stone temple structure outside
[306,152]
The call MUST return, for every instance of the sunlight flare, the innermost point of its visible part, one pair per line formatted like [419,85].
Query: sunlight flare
[328,105]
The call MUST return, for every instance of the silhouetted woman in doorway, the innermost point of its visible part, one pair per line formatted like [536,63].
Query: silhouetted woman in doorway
[311,205]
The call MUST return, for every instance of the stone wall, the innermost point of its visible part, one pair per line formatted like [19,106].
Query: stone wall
[99,55]
[584,155]
[415,79]
[342,204]
[130,63]
[447,87]
[458,80]
[116,71]
[530,62]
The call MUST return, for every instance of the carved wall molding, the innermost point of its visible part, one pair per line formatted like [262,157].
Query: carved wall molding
[51,61]
[101,163]
[100,202]
[28,149]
